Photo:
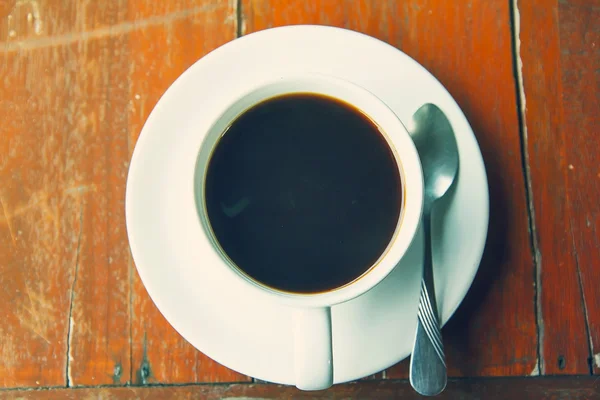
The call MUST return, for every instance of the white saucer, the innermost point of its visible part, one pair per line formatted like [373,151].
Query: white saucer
[370,333]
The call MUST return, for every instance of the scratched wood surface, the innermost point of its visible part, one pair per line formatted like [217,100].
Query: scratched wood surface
[561,77]
[78,81]
[79,78]
[477,69]
[159,54]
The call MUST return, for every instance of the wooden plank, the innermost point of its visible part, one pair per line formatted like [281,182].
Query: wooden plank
[46,192]
[99,345]
[78,149]
[560,81]
[580,65]
[467,45]
[159,54]
[99,342]
[39,224]
[68,91]
[572,388]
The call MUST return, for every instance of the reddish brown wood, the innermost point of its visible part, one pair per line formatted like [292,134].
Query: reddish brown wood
[582,388]
[580,64]
[467,45]
[45,200]
[99,346]
[56,22]
[561,84]
[78,80]
[69,93]
[159,54]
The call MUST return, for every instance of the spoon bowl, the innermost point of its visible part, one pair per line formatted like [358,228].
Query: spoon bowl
[435,141]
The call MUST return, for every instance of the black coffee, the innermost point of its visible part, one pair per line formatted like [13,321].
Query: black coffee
[303,193]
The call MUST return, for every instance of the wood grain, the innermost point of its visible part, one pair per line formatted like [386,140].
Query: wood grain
[561,84]
[160,54]
[71,97]
[99,345]
[47,199]
[27,24]
[75,94]
[580,64]
[467,46]
[573,388]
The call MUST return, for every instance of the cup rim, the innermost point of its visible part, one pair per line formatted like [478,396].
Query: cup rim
[399,142]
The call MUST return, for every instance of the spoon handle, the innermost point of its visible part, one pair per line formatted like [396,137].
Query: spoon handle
[428,363]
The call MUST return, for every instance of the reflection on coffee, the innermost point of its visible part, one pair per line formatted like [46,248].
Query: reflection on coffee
[303,193]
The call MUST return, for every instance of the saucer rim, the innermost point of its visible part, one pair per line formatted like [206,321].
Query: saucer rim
[155,292]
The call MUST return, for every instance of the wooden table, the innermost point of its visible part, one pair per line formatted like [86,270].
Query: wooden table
[79,78]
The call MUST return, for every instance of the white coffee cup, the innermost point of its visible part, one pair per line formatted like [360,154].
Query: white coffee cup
[313,355]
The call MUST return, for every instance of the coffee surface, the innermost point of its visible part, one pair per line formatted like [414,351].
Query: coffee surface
[303,193]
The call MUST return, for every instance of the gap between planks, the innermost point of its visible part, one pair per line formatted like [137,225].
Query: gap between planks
[582,293]
[68,378]
[240,28]
[515,23]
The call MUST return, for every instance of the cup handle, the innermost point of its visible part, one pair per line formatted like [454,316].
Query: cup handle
[313,355]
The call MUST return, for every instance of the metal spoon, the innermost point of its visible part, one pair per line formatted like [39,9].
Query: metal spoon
[436,144]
